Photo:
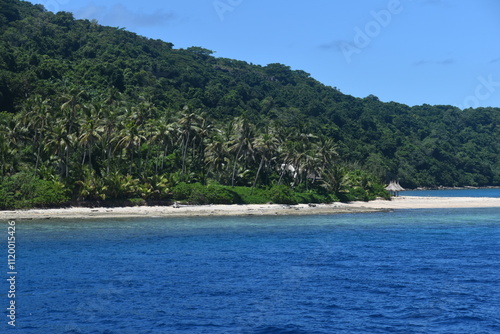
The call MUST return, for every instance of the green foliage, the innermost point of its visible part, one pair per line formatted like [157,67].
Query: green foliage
[160,187]
[23,190]
[255,196]
[354,194]
[316,197]
[282,195]
[91,188]
[196,193]
[182,191]
[136,202]
[361,186]
[116,116]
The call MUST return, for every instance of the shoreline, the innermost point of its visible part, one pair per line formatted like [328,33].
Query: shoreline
[219,210]
[397,203]
[451,188]
[421,202]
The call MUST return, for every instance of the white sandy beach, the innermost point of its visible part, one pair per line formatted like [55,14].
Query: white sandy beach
[253,209]
[414,202]
[182,211]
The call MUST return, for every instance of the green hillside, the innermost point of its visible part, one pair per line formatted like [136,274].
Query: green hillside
[93,112]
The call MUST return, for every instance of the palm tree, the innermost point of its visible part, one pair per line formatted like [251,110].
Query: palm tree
[60,142]
[286,155]
[327,152]
[4,149]
[336,178]
[265,145]
[37,115]
[166,133]
[129,139]
[189,127]
[142,113]
[109,127]
[302,156]
[241,143]
[72,103]
[11,137]
[217,155]
[90,130]
[203,137]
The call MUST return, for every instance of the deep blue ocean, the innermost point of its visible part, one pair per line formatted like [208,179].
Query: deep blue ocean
[408,271]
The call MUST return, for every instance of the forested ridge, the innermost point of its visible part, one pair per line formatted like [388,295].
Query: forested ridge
[99,113]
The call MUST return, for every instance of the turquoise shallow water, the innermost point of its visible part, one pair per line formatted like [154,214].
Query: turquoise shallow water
[492,192]
[409,271]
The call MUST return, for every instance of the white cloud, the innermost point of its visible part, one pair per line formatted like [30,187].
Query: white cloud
[119,15]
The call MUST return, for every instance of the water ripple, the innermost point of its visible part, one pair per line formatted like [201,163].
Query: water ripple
[433,272]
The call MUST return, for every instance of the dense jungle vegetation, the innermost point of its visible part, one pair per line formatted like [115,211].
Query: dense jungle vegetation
[95,113]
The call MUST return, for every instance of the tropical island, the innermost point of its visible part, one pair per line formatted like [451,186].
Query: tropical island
[98,116]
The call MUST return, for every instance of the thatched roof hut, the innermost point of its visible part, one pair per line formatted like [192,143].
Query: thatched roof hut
[394,188]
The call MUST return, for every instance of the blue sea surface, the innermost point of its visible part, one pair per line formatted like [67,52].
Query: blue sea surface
[489,192]
[408,271]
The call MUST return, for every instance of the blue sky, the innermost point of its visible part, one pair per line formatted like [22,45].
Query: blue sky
[408,51]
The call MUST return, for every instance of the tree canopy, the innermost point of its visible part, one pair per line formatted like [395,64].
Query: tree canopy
[101,112]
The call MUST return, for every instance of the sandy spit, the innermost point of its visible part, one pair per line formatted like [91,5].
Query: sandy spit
[414,202]
[252,209]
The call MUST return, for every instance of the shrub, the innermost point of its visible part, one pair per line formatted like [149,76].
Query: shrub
[314,197]
[282,194]
[354,194]
[248,196]
[136,202]
[196,193]
[24,191]
[217,194]
[378,190]
[182,191]
[6,198]
[49,193]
